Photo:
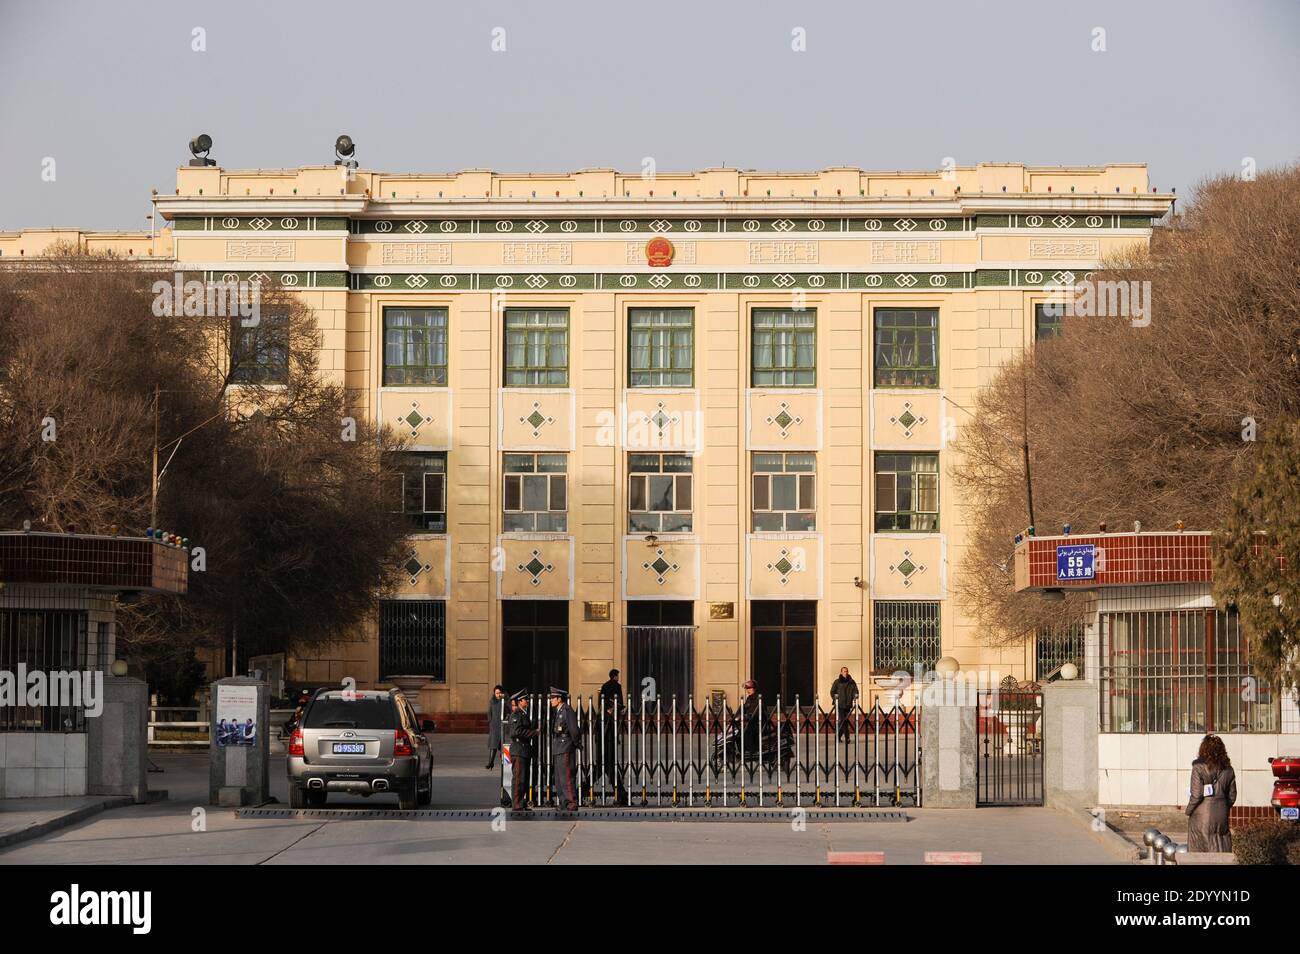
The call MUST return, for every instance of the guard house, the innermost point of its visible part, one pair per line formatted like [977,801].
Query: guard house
[1168,663]
[59,594]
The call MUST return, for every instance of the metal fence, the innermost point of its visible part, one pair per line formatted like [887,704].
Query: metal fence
[673,753]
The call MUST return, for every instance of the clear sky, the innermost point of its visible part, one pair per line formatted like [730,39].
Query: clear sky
[113,91]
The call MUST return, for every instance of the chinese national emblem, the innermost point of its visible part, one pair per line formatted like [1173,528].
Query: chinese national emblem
[659,252]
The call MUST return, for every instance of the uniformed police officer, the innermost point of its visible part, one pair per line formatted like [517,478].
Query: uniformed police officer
[521,750]
[564,745]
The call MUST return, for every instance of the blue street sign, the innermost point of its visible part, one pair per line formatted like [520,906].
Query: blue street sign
[1076,562]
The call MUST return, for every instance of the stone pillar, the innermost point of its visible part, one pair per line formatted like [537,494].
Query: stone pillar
[237,772]
[1070,730]
[949,742]
[117,741]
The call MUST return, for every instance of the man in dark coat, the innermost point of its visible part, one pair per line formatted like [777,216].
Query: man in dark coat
[611,705]
[495,718]
[844,693]
[565,742]
[522,732]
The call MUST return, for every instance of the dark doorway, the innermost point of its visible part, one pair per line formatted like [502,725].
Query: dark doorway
[535,645]
[660,652]
[785,649]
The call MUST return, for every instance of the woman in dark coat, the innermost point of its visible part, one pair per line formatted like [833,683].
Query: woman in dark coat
[1213,792]
[494,716]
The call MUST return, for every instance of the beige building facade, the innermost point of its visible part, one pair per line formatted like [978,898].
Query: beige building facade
[695,427]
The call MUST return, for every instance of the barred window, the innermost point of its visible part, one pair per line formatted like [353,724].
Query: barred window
[260,354]
[50,641]
[905,634]
[1180,671]
[659,493]
[537,347]
[907,347]
[785,492]
[413,639]
[1053,648]
[907,492]
[784,348]
[661,347]
[415,346]
[420,489]
[536,493]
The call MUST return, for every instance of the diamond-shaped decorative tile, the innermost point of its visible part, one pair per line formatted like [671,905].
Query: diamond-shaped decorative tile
[905,280]
[907,421]
[414,419]
[414,566]
[661,419]
[907,568]
[535,567]
[1063,221]
[659,566]
[784,420]
[784,565]
[905,225]
[537,419]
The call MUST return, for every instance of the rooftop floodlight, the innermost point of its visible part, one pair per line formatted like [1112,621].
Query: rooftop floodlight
[345,152]
[200,146]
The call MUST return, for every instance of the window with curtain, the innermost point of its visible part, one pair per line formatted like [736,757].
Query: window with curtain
[536,493]
[537,347]
[661,347]
[659,493]
[420,491]
[784,348]
[415,346]
[907,347]
[785,492]
[907,491]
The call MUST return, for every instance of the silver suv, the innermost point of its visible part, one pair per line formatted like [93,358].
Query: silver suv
[363,742]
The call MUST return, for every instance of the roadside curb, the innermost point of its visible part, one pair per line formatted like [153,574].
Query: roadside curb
[1108,837]
[65,820]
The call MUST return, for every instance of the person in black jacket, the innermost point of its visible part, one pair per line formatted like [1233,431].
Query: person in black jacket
[844,693]
[565,742]
[495,719]
[611,705]
[522,732]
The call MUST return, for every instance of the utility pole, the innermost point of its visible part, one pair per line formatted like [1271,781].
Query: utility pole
[1024,433]
[153,505]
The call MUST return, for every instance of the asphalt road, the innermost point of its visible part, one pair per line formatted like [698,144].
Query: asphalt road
[183,829]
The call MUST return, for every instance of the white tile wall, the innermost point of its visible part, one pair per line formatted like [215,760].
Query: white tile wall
[1155,769]
[38,764]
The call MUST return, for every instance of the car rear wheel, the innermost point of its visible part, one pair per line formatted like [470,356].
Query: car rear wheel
[297,797]
[425,796]
[408,798]
[316,798]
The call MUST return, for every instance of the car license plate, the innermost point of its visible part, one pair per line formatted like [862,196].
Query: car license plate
[349,748]
[1292,813]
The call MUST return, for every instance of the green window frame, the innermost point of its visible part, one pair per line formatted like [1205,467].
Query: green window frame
[907,492]
[659,493]
[537,347]
[783,348]
[535,493]
[420,491]
[906,347]
[415,347]
[1047,320]
[784,492]
[661,347]
[259,354]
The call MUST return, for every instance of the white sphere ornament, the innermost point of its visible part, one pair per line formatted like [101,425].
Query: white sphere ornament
[1069,671]
[947,666]
[119,667]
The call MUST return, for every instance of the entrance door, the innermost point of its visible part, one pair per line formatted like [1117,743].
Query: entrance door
[1009,748]
[784,649]
[535,645]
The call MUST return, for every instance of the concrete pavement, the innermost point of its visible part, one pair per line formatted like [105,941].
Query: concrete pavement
[183,829]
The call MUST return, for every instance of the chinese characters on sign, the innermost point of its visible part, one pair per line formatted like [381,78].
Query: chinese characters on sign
[1076,562]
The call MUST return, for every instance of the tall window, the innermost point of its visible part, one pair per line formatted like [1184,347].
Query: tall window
[260,354]
[907,491]
[661,347]
[659,493]
[1180,671]
[1055,647]
[1047,320]
[907,347]
[536,493]
[905,634]
[537,347]
[420,493]
[415,346]
[785,488]
[413,638]
[784,348]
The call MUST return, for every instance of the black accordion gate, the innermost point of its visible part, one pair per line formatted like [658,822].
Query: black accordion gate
[1009,757]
